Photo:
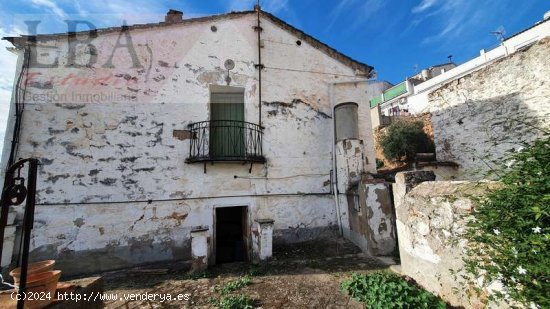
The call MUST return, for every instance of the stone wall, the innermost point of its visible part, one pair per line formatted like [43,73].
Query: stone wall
[430,220]
[479,119]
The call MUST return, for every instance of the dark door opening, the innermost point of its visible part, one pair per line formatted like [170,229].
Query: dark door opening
[231,234]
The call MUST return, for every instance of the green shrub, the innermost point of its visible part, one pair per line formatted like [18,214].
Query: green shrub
[403,139]
[229,301]
[240,301]
[385,290]
[509,235]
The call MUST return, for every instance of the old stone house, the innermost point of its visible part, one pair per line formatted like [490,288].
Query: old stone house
[195,138]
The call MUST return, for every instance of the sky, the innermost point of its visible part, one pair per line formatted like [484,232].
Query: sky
[397,37]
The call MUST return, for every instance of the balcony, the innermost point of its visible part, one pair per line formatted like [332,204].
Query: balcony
[225,141]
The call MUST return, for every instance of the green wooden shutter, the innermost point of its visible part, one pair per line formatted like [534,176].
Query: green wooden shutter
[227,130]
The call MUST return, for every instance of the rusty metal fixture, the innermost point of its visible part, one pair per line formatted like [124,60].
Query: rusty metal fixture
[229,65]
[14,193]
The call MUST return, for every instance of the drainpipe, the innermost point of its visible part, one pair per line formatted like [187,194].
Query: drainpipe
[334,173]
[260,66]
[334,165]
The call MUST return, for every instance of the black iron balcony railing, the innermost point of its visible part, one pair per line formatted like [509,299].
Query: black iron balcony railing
[225,140]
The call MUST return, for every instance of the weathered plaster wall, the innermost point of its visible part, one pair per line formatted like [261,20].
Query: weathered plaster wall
[111,139]
[430,221]
[479,119]
[372,219]
[349,170]
[360,93]
[96,237]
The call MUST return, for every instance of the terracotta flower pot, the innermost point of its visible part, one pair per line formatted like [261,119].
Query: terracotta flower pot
[34,268]
[44,283]
[7,301]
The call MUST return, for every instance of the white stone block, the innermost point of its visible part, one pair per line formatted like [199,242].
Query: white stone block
[199,248]
[265,229]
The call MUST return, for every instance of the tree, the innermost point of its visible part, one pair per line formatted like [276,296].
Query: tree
[403,139]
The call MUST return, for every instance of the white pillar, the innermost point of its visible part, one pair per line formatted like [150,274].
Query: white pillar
[265,241]
[199,248]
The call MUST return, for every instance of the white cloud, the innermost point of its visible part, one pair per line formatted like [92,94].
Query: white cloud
[451,20]
[424,5]
[367,12]
[52,6]
[275,6]
[337,11]
[113,13]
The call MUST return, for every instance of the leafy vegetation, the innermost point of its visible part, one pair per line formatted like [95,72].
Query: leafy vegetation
[509,234]
[240,301]
[403,139]
[234,285]
[232,301]
[199,275]
[385,290]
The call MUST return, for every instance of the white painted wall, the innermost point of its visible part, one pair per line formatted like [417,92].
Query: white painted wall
[103,160]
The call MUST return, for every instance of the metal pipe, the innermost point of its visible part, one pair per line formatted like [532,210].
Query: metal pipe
[187,199]
[260,65]
[334,172]
[28,222]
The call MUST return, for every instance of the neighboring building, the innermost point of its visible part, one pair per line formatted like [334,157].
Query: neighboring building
[411,95]
[150,133]
[482,118]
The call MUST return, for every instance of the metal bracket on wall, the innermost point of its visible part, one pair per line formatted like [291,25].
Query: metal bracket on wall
[259,66]
[256,28]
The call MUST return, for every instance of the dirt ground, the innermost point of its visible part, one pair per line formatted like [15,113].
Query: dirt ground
[305,276]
